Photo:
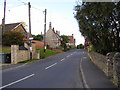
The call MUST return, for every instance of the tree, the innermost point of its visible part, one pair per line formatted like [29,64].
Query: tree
[38,37]
[12,38]
[80,46]
[99,22]
[65,40]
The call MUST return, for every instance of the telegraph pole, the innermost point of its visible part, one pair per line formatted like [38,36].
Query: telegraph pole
[45,31]
[29,13]
[3,20]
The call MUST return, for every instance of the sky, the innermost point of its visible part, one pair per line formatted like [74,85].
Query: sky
[59,13]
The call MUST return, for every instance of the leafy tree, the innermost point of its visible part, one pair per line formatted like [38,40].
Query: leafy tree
[24,24]
[99,22]
[65,38]
[12,38]
[80,46]
[38,37]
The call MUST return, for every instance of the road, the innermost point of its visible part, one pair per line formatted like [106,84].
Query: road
[60,71]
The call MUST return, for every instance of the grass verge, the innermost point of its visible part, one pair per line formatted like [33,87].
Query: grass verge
[27,61]
[47,53]
[5,49]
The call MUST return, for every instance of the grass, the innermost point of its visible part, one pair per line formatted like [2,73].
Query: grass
[27,61]
[5,49]
[47,53]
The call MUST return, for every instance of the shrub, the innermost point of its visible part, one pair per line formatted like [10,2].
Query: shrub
[12,38]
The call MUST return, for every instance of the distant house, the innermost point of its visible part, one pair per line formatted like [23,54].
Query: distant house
[71,42]
[17,27]
[53,39]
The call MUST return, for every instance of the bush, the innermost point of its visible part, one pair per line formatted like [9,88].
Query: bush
[12,38]
[81,46]
[91,48]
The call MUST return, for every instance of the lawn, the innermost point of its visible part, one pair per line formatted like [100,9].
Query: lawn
[47,53]
[5,49]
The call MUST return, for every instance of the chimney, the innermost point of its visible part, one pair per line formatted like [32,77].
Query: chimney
[73,35]
[50,26]
[58,32]
[53,29]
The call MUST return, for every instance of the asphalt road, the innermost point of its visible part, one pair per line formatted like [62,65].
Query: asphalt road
[60,71]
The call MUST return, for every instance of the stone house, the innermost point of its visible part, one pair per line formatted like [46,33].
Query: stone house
[17,27]
[71,43]
[53,39]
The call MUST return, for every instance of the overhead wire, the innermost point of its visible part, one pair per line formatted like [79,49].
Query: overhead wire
[23,2]
[31,6]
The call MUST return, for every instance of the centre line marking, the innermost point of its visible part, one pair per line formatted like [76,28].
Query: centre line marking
[51,66]
[17,81]
[63,59]
[68,56]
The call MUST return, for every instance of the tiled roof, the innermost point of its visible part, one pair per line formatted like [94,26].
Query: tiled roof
[11,26]
[39,44]
[72,40]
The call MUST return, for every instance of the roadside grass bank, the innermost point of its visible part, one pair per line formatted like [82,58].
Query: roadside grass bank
[28,61]
[47,53]
[5,49]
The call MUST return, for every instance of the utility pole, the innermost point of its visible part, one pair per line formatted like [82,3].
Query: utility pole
[45,31]
[3,20]
[29,13]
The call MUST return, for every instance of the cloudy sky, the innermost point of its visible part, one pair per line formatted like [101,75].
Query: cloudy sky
[59,12]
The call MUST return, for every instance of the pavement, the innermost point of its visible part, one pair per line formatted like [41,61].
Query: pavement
[91,76]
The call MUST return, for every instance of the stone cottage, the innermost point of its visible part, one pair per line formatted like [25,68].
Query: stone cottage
[53,39]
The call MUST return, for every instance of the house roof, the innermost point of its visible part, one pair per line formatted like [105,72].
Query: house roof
[39,44]
[56,34]
[12,26]
[72,40]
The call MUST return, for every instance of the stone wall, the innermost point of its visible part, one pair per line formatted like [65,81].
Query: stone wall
[109,64]
[99,60]
[22,55]
[18,55]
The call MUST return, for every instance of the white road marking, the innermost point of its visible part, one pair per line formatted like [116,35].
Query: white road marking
[83,76]
[68,56]
[62,59]
[51,66]
[17,81]
[15,67]
[71,54]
